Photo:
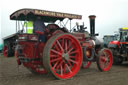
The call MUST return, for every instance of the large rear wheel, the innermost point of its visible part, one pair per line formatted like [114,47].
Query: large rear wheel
[62,56]
[104,59]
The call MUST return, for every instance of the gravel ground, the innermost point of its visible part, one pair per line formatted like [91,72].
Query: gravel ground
[12,74]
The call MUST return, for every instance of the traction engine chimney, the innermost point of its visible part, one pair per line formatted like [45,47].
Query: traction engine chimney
[92,25]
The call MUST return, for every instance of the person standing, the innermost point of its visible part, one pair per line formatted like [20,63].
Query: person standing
[39,27]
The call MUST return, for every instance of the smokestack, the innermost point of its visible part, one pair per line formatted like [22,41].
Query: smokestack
[92,25]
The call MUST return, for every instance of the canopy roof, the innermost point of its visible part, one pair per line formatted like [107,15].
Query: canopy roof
[47,16]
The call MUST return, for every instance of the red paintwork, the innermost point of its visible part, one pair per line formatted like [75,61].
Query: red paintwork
[88,43]
[28,49]
[123,42]
[115,43]
[79,36]
[38,32]
[60,44]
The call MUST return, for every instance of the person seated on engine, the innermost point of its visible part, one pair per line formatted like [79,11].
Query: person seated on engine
[39,28]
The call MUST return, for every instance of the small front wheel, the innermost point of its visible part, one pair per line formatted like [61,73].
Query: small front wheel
[104,59]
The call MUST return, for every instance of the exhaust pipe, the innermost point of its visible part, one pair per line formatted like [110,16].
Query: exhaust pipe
[92,25]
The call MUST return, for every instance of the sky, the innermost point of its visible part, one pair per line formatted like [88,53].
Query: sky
[111,14]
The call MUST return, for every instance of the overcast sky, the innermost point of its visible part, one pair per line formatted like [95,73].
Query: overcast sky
[111,14]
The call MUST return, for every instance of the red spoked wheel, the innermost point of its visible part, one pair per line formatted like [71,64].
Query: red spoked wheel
[6,49]
[104,60]
[62,56]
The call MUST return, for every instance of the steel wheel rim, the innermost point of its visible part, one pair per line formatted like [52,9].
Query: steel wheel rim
[5,51]
[63,57]
[105,60]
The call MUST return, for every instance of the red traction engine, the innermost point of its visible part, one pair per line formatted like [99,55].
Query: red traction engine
[64,52]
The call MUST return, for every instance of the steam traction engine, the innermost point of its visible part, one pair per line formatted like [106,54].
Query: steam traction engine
[64,52]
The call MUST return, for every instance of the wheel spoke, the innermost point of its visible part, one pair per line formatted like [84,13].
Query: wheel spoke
[103,58]
[66,45]
[57,59]
[56,47]
[64,67]
[62,42]
[69,45]
[55,64]
[53,56]
[68,68]
[60,45]
[60,64]
[70,50]
[72,56]
[61,69]
[73,61]
[55,51]
[106,64]
[102,63]
[105,54]
[74,52]
[70,64]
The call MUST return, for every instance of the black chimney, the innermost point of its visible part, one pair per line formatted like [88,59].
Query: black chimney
[92,25]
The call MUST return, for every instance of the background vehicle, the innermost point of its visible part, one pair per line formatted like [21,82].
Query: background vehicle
[108,38]
[119,47]
[64,51]
[9,45]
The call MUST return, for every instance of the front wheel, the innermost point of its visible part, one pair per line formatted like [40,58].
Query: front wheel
[104,59]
